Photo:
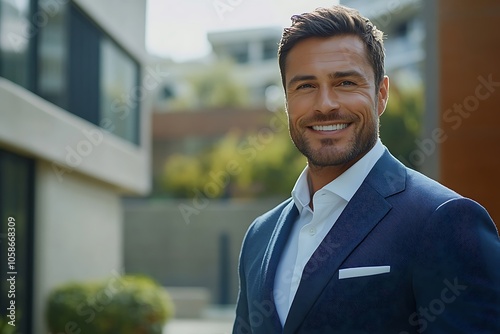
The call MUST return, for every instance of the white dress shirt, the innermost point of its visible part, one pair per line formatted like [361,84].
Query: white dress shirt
[311,226]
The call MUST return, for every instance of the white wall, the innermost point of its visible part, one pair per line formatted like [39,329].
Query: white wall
[78,233]
[81,170]
[72,145]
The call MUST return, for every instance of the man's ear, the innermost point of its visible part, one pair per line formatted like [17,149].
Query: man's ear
[383,95]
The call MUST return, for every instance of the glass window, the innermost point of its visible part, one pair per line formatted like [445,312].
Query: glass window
[270,49]
[79,68]
[15,40]
[52,54]
[239,52]
[83,65]
[120,94]
[16,211]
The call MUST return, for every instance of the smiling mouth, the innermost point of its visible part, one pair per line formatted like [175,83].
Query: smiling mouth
[332,127]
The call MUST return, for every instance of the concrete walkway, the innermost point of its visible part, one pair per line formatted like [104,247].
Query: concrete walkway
[214,320]
[198,326]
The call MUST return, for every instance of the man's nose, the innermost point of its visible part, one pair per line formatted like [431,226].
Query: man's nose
[327,100]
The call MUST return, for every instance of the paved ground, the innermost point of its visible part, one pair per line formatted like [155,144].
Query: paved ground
[198,326]
[214,320]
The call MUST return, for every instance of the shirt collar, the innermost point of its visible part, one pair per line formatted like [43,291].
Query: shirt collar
[300,192]
[346,184]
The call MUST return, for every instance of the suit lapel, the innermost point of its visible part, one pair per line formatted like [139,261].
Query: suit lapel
[365,210]
[273,254]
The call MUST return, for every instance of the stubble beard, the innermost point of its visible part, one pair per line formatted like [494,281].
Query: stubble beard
[330,153]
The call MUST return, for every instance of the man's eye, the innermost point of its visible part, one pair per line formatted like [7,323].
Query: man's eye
[347,83]
[305,86]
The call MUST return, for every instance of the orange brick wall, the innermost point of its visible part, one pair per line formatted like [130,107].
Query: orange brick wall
[469,56]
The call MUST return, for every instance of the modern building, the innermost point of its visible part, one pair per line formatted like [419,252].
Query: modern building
[461,126]
[403,25]
[74,138]
[247,57]
[255,53]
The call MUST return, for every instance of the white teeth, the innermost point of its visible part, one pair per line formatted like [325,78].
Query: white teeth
[329,127]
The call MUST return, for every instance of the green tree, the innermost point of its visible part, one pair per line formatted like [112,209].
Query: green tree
[266,163]
[401,122]
[260,163]
[182,173]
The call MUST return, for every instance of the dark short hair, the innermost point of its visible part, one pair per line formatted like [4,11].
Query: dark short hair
[329,22]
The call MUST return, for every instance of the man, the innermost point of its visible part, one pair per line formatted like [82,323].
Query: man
[364,245]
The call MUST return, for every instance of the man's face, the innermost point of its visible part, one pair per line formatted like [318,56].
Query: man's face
[333,109]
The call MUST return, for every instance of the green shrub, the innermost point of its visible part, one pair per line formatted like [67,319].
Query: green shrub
[5,328]
[125,305]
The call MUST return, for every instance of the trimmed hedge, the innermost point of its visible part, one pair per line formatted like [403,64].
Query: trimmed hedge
[5,328]
[125,305]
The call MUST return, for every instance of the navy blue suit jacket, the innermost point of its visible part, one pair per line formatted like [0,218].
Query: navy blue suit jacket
[443,251]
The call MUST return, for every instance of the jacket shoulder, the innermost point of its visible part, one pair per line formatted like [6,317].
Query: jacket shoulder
[266,222]
[391,178]
[426,190]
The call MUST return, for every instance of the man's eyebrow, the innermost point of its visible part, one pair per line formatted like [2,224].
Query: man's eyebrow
[334,75]
[299,78]
[346,74]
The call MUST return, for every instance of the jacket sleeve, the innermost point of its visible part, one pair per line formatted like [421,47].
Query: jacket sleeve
[241,323]
[456,277]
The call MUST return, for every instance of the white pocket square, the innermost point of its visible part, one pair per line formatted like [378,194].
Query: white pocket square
[363,271]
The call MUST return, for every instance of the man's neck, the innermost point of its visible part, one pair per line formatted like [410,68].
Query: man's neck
[320,176]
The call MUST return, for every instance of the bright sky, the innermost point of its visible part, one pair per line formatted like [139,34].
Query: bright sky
[177,29]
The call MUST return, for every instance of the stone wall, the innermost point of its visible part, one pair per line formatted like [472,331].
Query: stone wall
[200,251]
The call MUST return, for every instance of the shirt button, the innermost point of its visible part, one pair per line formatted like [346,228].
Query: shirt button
[312,231]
